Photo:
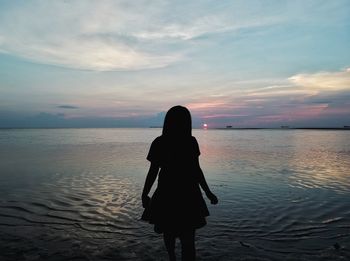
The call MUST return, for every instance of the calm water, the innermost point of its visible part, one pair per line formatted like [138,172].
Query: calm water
[74,194]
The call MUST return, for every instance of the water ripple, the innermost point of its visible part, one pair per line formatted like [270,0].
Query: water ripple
[283,195]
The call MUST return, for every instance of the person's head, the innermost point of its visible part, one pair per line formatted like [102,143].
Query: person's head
[177,122]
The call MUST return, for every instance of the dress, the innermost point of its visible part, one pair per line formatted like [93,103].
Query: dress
[177,203]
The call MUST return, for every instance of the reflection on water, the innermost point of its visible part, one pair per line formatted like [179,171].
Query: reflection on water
[75,194]
[311,159]
[322,161]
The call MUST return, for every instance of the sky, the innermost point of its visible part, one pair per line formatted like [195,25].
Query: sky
[125,63]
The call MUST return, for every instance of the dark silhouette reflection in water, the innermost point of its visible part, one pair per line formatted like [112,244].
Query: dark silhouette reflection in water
[177,207]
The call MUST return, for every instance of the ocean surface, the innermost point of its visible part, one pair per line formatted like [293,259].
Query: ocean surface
[74,194]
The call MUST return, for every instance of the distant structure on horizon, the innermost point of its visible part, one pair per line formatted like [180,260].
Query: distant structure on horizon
[228,126]
[284,127]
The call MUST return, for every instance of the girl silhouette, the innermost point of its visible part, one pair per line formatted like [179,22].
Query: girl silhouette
[177,207]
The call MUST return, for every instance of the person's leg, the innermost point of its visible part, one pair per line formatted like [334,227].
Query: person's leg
[169,241]
[188,249]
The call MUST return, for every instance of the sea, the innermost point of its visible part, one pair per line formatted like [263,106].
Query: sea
[75,194]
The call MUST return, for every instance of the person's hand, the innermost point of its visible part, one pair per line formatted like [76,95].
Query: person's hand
[145,201]
[213,199]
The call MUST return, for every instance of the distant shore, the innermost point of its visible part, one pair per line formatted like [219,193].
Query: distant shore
[199,128]
[302,128]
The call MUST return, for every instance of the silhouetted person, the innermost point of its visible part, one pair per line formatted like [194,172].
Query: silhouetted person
[177,207]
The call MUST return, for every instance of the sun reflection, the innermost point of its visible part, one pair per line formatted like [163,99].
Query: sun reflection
[321,166]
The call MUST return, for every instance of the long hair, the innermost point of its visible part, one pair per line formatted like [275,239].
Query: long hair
[177,122]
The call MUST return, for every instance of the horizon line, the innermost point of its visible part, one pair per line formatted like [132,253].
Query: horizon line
[196,128]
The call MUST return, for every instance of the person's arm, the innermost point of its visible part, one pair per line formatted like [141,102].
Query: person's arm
[204,185]
[151,177]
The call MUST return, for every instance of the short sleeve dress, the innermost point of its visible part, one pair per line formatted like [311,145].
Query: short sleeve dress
[177,203]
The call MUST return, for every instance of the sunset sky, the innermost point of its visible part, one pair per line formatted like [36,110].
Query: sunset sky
[125,63]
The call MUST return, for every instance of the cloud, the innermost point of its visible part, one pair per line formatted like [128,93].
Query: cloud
[82,35]
[89,54]
[225,49]
[292,101]
[303,85]
[266,102]
[67,107]
[323,81]
[59,120]
[111,35]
